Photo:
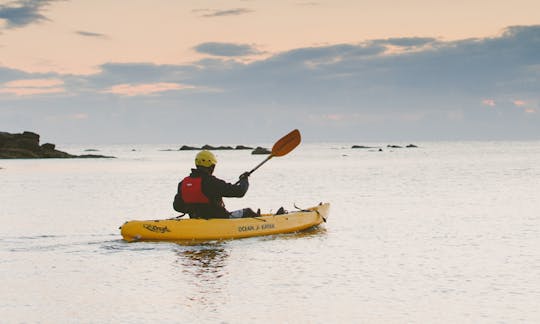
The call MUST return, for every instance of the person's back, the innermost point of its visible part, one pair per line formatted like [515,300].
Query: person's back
[201,194]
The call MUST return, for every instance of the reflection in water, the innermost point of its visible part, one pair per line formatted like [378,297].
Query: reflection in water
[312,232]
[203,259]
[205,272]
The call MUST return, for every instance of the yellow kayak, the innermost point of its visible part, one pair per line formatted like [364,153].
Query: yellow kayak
[222,229]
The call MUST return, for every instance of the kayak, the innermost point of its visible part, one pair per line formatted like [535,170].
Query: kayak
[178,229]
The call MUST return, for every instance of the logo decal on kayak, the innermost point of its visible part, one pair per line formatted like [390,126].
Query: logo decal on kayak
[157,229]
[250,228]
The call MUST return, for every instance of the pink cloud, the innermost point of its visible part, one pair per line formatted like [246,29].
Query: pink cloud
[34,83]
[28,87]
[530,111]
[127,89]
[519,103]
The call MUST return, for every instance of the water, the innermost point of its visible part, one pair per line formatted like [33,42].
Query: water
[448,232]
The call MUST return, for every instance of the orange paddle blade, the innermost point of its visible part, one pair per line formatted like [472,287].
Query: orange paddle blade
[287,143]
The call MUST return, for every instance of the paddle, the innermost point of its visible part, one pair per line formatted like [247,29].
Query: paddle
[282,147]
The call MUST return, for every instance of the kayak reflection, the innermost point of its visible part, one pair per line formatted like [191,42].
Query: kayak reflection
[203,268]
[204,260]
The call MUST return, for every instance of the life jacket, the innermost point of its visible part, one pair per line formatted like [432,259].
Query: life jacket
[192,191]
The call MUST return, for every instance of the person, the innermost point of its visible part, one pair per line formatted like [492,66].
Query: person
[201,194]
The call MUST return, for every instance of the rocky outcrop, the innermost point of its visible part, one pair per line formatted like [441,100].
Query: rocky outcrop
[361,147]
[397,146]
[26,146]
[213,148]
[388,146]
[188,148]
[242,147]
[260,150]
[216,148]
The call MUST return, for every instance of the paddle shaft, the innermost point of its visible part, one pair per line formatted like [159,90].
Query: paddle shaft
[260,164]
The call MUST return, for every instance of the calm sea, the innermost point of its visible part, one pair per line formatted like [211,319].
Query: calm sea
[448,232]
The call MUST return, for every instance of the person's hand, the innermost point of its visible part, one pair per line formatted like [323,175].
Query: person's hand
[244,175]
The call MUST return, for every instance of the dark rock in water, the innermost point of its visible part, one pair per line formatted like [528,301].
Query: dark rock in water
[188,148]
[216,148]
[26,146]
[361,147]
[260,150]
[411,146]
[393,146]
[91,150]
[93,156]
[242,147]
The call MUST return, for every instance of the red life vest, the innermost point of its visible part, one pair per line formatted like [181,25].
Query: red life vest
[192,191]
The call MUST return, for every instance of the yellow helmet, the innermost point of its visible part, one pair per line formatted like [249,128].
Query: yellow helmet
[205,158]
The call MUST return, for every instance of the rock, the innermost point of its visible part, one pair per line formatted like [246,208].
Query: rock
[208,147]
[93,156]
[26,146]
[91,150]
[260,150]
[393,146]
[48,147]
[361,147]
[411,146]
[216,148]
[242,147]
[188,148]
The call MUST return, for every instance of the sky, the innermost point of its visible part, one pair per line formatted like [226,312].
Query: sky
[249,71]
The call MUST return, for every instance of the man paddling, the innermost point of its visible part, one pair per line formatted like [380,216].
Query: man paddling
[201,194]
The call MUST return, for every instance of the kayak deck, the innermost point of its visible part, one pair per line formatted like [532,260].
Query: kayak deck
[223,229]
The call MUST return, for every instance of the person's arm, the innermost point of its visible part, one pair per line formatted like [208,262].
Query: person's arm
[220,188]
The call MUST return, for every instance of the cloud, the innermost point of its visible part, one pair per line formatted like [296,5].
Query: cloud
[24,12]
[7,74]
[29,87]
[407,41]
[437,90]
[144,89]
[212,13]
[90,34]
[226,49]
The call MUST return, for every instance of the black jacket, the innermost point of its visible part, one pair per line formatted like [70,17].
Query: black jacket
[213,188]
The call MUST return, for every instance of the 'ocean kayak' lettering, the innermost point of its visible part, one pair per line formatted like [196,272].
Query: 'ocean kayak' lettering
[255,228]
[157,229]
